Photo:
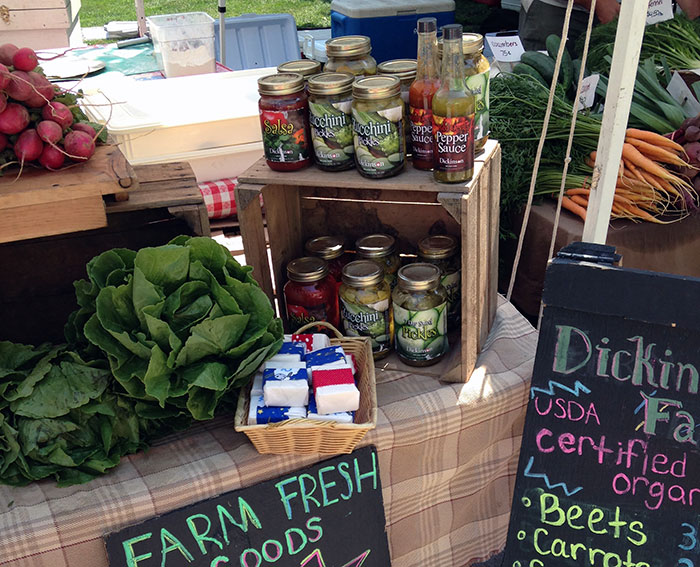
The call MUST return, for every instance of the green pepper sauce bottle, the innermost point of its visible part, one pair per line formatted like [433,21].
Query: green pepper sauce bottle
[453,114]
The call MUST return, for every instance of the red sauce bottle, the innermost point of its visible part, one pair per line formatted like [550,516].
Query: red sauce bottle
[284,120]
[310,294]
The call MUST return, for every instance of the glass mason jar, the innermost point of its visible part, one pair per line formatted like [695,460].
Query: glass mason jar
[380,248]
[405,71]
[330,116]
[305,67]
[442,251]
[477,73]
[332,250]
[284,110]
[310,294]
[420,315]
[350,54]
[378,123]
[365,306]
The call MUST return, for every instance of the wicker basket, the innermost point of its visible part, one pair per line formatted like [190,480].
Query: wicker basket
[303,436]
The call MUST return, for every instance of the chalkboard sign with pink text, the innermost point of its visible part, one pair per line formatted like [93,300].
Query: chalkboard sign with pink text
[609,471]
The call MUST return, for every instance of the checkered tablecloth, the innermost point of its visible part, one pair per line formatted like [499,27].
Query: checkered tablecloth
[447,457]
[218,197]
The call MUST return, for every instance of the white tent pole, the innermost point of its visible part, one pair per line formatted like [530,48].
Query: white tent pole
[222,31]
[623,73]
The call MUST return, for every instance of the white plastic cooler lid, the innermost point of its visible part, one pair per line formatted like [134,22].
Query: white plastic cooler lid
[384,8]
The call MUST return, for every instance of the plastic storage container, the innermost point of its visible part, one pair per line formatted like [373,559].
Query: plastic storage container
[219,136]
[259,40]
[183,43]
[373,19]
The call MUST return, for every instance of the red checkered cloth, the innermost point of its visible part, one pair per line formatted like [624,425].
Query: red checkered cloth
[218,197]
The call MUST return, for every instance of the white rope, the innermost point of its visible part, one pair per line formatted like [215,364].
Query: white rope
[572,131]
[543,137]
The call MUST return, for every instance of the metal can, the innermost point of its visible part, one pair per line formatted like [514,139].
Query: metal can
[378,124]
[420,315]
[365,305]
[380,248]
[442,251]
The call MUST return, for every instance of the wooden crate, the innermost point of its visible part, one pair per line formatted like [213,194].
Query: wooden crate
[41,24]
[310,202]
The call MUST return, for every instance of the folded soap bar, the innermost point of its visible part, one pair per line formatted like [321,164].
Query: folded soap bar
[260,414]
[313,341]
[282,364]
[335,390]
[332,357]
[290,352]
[340,417]
[285,387]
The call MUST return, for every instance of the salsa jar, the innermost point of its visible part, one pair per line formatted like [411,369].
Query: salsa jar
[420,315]
[405,71]
[477,71]
[332,250]
[442,251]
[330,116]
[378,125]
[284,110]
[350,54]
[310,294]
[365,306]
[380,248]
[305,67]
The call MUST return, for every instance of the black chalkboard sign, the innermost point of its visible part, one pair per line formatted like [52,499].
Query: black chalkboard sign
[609,470]
[329,515]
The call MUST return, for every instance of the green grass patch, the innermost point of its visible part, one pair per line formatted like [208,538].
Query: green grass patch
[307,13]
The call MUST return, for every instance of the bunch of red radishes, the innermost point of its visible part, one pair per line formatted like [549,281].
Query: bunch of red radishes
[689,136]
[38,121]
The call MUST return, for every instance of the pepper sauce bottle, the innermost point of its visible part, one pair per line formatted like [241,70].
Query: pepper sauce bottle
[420,95]
[453,114]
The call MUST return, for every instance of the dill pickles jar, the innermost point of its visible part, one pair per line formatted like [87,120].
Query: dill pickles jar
[405,71]
[380,248]
[442,251]
[378,123]
[453,114]
[350,54]
[330,115]
[420,315]
[305,67]
[365,306]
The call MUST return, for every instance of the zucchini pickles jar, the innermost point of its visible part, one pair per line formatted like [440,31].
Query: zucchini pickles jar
[284,121]
[420,315]
[305,67]
[443,252]
[405,71]
[378,124]
[350,54]
[365,306]
[380,248]
[330,115]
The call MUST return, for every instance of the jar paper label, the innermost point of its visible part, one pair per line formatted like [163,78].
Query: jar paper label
[479,86]
[453,142]
[452,282]
[299,315]
[380,146]
[284,135]
[421,335]
[373,321]
[331,133]
[422,134]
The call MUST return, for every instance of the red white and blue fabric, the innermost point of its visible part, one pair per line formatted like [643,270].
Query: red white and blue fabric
[219,197]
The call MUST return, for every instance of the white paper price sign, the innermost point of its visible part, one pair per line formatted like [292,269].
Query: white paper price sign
[588,87]
[683,95]
[506,48]
[659,11]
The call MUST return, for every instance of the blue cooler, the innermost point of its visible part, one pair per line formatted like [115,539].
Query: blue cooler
[390,24]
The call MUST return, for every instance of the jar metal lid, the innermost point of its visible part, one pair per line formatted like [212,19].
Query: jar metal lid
[348,46]
[304,67]
[437,247]
[281,84]
[326,247]
[379,86]
[375,245]
[419,277]
[307,269]
[362,273]
[331,83]
[471,43]
[404,69]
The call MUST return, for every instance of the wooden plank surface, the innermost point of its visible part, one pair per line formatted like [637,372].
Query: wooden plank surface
[70,215]
[415,180]
[35,4]
[37,19]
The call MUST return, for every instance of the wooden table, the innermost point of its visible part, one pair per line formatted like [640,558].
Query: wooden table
[309,203]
